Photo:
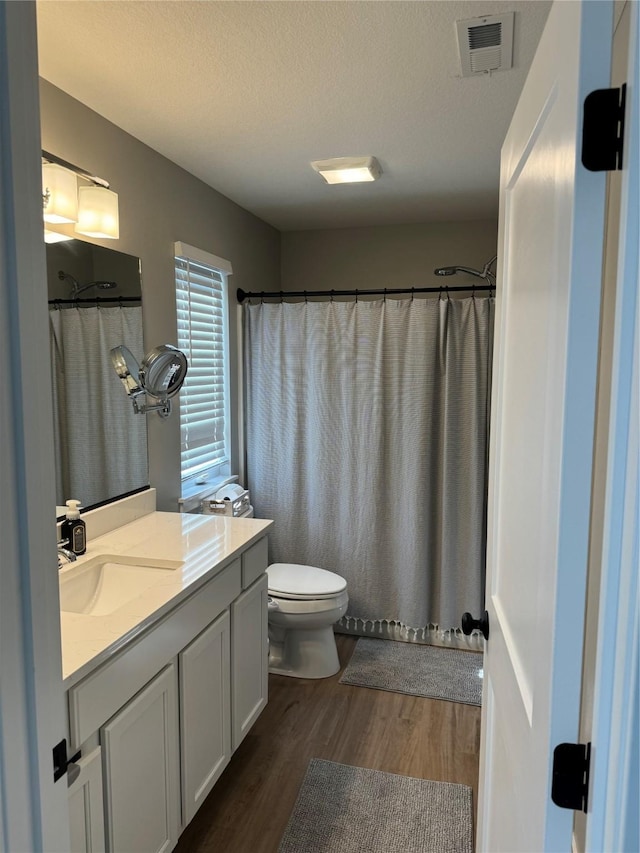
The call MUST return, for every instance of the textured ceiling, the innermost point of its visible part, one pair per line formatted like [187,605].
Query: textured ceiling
[244,94]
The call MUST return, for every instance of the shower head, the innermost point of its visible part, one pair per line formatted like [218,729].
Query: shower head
[101,285]
[454,270]
[484,273]
[78,288]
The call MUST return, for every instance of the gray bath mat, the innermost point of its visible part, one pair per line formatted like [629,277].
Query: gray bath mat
[419,670]
[343,809]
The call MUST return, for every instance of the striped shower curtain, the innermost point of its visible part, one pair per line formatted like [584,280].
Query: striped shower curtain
[101,445]
[367,430]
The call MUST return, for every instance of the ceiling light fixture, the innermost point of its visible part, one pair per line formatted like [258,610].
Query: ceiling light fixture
[94,208]
[348,170]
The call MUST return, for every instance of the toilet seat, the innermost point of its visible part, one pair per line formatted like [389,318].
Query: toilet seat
[303,583]
[307,605]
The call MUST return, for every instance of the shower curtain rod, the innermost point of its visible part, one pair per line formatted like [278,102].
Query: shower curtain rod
[387,291]
[96,300]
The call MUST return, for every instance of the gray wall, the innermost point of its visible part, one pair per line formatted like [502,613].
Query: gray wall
[385,256]
[159,204]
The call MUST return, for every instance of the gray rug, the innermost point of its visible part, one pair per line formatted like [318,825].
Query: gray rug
[343,809]
[419,670]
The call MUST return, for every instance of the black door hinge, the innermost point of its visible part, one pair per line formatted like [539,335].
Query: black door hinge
[60,760]
[570,780]
[603,129]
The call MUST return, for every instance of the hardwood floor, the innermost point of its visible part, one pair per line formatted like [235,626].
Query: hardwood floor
[248,809]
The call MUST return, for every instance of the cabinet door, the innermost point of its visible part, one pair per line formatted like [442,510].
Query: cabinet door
[86,812]
[141,770]
[249,658]
[205,712]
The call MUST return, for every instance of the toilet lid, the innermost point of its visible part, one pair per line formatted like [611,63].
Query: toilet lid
[291,580]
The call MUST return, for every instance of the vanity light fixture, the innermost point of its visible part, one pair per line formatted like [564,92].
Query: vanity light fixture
[348,170]
[98,212]
[59,194]
[93,207]
[55,236]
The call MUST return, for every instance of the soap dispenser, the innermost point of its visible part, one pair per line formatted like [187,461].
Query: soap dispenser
[73,529]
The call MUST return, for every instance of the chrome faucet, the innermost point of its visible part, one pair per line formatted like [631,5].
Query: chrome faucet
[65,552]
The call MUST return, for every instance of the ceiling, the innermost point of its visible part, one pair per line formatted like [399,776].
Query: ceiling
[244,94]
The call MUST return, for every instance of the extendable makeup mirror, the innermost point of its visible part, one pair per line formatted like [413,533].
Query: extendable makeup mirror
[160,377]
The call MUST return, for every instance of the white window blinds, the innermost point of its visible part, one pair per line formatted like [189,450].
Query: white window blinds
[201,308]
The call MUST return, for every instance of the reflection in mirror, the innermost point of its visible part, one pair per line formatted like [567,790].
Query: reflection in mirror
[95,304]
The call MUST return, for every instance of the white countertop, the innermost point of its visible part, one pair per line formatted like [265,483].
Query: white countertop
[204,545]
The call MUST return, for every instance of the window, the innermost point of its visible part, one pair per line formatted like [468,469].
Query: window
[201,303]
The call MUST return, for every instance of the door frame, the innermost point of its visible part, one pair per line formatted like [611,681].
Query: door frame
[616,714]
[33,814]
[33,810]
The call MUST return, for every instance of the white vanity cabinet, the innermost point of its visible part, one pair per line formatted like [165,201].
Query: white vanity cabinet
[86,817]
[142,770]
[162,716]
[205,712]
[250,653]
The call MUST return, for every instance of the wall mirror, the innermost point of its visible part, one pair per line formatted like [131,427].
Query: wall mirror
[95,304]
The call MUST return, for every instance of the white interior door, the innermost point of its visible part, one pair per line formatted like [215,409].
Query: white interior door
[33,808]
[546,347]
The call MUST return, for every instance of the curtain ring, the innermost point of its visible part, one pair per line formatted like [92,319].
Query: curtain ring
[384,297]
[262,297]
[305,296]
[331,296]
[356,295]
[413,293]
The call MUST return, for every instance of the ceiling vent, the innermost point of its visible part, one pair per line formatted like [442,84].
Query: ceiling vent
[485,44]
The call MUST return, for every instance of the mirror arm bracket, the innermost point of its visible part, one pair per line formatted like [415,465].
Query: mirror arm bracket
[163,408]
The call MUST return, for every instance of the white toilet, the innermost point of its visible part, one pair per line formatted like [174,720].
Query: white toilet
[304,602]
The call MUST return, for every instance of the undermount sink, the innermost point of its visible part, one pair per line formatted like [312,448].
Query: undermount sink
[105,583]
